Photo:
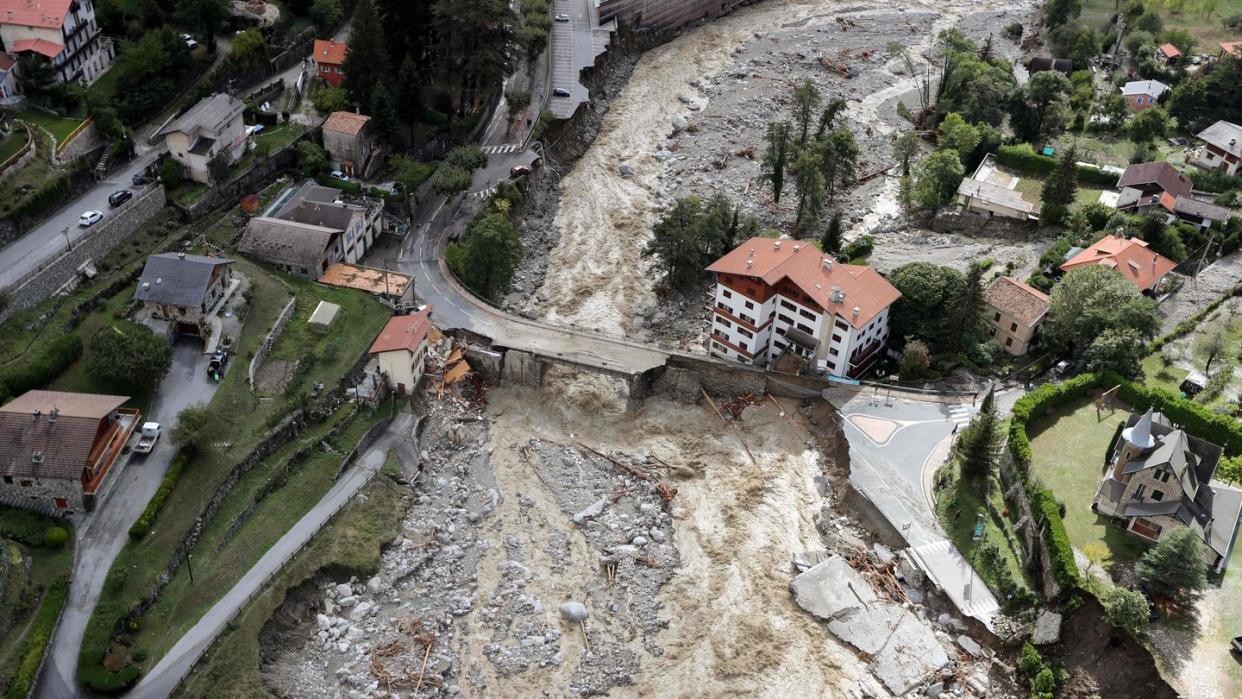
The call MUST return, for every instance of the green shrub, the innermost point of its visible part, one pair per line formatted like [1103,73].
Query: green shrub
[1197,419]
[143,524]
[99,680]
[1030,662]
[1064,569]
[38,638]
[27,527]
[41,369]
[55,537]
[1022,157]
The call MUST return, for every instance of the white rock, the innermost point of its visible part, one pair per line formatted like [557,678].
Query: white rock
[360,611]
[323,621]
[375,584]
[342,647]
[348,601]
[344,590]
[591,512]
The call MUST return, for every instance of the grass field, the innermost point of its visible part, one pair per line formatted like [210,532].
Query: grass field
[1031,189]
[1206,30]
[59,127]
[13,143]
[958,507]
[25,573]
[348,545]
[1068,458]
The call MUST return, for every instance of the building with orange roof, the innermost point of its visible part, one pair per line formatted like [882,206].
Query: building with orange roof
[1130,257]
[1229,48]
[779,297]
[1168,53]
[350,144]
[329,58]
[1017,312]
[401,349]
[63,32]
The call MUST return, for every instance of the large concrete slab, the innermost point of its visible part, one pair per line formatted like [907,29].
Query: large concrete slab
[904,649]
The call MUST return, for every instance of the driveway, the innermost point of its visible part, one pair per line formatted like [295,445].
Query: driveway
[102,533]
[47,240]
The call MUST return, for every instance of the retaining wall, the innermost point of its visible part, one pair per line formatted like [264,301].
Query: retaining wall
[19,159]
[247,182]
[260,355]
[80,142]
[114,230]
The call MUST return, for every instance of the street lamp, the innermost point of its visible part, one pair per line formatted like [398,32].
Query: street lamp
[68,243]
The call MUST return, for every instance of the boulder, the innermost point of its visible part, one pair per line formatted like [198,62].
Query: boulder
[574,611]
[592,511]
[680,123]
[360,611]
[1047,628]
[969,645]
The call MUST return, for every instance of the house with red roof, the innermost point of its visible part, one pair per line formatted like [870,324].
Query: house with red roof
[329,58]
[62,32]
[1130,257]
[1168,53]
[1017,310]
[776,298]
[401,349]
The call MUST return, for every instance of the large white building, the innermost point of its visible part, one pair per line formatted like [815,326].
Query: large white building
[784,296]
[63,32]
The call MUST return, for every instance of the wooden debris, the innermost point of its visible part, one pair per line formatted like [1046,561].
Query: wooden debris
[666,491]
[736,431]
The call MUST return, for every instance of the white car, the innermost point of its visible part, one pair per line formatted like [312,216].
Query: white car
[562,18]
[190,43]
[147,438]
[339,175]
[90,218]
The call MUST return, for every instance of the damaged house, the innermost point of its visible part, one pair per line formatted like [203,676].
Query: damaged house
[1161,480]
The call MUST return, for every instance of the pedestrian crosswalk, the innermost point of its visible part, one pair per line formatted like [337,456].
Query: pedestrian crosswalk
[506,148]
[961,413]
[483,193]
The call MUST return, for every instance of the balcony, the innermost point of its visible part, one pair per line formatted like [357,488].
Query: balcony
[106,451]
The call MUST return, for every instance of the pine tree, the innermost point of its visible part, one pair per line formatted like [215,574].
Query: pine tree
[366,61]
[776,157]
[978,443]
[806,101]
[831,242]
[965,313]
[809,182]
[838,157]
[409,93]
[1060,190]
[479,39]
[384,114]
[1175,567]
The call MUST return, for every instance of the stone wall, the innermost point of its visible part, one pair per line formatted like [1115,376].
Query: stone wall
[41,492]
[19,159]
[106,235]
[86,140]
[260,355]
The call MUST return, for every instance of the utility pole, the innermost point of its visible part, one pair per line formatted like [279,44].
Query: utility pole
[68,243]
[189,566]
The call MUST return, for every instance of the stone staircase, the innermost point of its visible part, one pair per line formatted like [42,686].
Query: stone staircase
[101,167]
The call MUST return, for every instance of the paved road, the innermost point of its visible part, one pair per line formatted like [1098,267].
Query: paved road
[47,240]
[102,534]
[163,679]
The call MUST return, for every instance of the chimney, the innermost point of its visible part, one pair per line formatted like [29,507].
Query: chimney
[159,280]
[797,248]
[146,285]
[857,310]
[752,252]
[181,256]
[51,417]
[776,245]
[828,263]
[749,263]
[36,415]
[36,458]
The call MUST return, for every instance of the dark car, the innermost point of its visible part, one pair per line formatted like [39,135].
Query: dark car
[120,197]
[215,367]
[560,92]
[140,178]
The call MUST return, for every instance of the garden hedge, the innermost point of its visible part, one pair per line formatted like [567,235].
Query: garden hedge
[55,358]
[1023,158]
[1064,569]
[35,645]
[143,524]
[1187,326]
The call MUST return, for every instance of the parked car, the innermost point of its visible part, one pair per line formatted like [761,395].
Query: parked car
[339,175]
[519,171]
[562,18]
[147,438]
[215,367]
[1236,644]
[560,92]
[190,43]
[120,197]
[90,218]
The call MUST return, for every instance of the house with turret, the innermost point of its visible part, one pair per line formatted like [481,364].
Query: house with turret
[1160,479]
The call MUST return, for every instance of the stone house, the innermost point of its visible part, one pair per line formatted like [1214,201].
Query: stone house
[57,449]
[401,350]
[1016,312]
[311,228]
[213,126]
[1160,479]
[184,289]
[350,142]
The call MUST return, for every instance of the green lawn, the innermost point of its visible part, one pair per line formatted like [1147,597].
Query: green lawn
[1207,31]
[25,573]
[105,87]
[958,506]
[277,137]
[12,143]
[348,545]
[1031,189]
[59,127]
[188,192]
[1068,449]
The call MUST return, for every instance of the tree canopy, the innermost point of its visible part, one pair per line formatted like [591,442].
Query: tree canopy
[926,290]
[1176,566]
[693,234]
[1094,304]
[129,358]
